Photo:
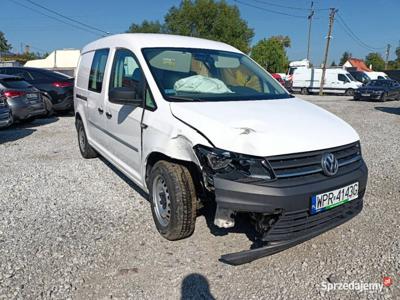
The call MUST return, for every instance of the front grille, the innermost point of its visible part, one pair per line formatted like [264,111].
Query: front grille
[308,164]
[296,224]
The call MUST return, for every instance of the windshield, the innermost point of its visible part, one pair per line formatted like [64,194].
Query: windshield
[379,83]
[351,77]
[184,74]
[15,83]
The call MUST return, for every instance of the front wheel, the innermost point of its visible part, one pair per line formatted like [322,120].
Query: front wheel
[384,97]
[304,91]
[173,200]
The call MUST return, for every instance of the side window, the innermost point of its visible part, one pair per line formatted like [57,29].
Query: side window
[150,103]
[343,78]
[127,73]
[97,70]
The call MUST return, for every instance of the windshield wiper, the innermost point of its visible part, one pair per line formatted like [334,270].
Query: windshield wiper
[183,99]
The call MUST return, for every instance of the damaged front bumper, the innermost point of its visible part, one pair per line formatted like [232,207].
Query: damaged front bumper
[286,218]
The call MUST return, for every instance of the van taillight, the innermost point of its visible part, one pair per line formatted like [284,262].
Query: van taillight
[62,84]
[12,94]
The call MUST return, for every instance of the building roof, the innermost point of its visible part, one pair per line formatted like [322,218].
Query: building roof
[139,41]
[359,64]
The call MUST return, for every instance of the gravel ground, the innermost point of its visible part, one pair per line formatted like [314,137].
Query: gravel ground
[75,228]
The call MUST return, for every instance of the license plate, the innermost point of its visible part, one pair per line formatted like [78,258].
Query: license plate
[365,95]
[31,96]
[334,198]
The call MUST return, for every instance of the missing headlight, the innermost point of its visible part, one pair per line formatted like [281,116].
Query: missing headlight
[233,165]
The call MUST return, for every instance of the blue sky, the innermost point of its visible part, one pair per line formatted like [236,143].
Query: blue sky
[375,22]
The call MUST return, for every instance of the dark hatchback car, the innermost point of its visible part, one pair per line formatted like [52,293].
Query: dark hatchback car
[6,118]
[381,90]
[57,88]
[24,100]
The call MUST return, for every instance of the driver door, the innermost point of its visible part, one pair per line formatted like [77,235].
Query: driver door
[124,120]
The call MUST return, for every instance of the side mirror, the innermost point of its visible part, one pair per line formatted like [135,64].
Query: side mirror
[125,95]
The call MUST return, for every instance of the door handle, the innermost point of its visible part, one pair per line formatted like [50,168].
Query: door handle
[144,126]
[108,115]
[100,110]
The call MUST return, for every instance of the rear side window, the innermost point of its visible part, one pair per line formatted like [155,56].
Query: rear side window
[14,83]
[97,70]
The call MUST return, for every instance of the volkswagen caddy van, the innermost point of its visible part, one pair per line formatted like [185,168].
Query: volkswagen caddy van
[191,121]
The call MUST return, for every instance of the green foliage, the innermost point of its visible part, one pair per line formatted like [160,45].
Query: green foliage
[376,60]
[209,19]
[397,54]
[333,64]
[271,54]
[4,45]
[345,57]
[147,27]
[393,65]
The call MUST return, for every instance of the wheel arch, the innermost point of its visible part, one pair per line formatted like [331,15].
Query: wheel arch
[193,167]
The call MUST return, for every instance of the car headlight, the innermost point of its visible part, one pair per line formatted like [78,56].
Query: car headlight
[233,165]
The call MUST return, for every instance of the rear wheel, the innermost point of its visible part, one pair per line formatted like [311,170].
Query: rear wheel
[86,150]
[349,92]
[304,91]
[173,200]
[384,97]
[48,106]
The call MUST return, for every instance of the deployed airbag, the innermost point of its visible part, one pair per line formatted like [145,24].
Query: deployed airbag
[201,84]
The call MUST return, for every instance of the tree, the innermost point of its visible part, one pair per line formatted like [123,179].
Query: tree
[147,27]
[345,57]
[271,54]
[4,45]
[398,55]
[214,20]
[333,64]
[376,60]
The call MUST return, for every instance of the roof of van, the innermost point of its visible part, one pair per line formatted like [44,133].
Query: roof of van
[139,41]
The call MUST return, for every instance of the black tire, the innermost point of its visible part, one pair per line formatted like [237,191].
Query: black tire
[48,106]
[304,91]
[383,97]
[349,92]
[179,200]
[86,150]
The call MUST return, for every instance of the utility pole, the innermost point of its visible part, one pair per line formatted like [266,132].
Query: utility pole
[310,17]
[328,41]
[387,56]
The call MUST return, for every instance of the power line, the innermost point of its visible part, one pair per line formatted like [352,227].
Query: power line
[352,35]
[52,17]
[287,7]
[271,11]
[68,18]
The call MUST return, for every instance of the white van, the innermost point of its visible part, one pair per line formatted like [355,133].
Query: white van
[193,121]
[377,75]
[337,81]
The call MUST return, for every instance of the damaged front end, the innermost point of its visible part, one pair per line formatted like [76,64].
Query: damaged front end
[278,206]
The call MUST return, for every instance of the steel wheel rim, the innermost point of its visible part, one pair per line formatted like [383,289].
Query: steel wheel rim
[161,201]
[82,140]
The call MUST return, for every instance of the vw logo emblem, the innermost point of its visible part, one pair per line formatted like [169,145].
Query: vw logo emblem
[329,164]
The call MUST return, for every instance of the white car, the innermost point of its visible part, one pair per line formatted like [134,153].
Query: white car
[192,121]
[337,81]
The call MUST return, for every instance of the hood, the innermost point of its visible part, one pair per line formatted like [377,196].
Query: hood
[266,128]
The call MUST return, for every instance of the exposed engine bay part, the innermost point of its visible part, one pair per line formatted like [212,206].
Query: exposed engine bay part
[223,218]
